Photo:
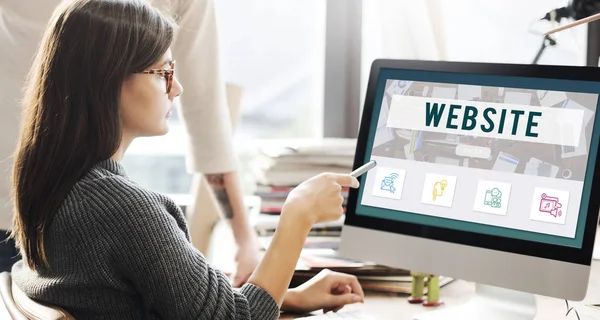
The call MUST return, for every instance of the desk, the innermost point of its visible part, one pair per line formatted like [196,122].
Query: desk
[395,307]
[458,292]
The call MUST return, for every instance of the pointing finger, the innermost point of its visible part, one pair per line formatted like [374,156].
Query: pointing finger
[345,180]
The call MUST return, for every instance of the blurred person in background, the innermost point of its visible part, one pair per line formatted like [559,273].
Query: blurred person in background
[203,110]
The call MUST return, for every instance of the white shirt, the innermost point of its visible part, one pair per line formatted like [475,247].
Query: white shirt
[203,106]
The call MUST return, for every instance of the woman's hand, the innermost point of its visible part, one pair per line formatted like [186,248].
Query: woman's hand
[318,199]
[328,290]
[247,258]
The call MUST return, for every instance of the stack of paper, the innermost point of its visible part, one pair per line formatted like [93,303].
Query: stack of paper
[289,162]
[280,165]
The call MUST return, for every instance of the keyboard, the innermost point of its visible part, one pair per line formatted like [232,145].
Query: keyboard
[347,315]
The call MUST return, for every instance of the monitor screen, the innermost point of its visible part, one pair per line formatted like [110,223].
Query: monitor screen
[497,155]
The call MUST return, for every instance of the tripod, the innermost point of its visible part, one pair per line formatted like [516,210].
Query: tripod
[548,41]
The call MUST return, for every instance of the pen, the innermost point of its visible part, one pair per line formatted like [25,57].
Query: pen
[364,168]
[573,24]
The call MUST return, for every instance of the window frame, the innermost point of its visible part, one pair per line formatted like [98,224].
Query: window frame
[342,96]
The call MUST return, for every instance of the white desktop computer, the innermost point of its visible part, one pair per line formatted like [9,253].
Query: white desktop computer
[485,172]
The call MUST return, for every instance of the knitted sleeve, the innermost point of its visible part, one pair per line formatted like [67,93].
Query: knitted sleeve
[152,252]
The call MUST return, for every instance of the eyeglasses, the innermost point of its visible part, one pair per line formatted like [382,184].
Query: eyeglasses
[167,73]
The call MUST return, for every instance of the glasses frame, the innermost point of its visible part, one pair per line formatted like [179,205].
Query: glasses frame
[168,74]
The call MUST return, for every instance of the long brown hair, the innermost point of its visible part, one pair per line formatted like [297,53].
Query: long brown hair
[71,106]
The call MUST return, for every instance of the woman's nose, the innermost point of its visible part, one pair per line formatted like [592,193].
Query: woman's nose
[176,89]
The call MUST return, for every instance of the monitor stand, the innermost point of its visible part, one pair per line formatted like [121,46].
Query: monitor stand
[489,303]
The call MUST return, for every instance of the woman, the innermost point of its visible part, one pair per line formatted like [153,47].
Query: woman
[97,244]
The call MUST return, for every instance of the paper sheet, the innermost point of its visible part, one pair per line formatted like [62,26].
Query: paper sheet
[505,162]
[522,98]
[550,98]
[587,113]
[572,151]
[452,138]
[425,91]
[444,93]
[383,113]
[581,149]
[468,92]
[404,133]
[383,135]
[445,160]
[398,87]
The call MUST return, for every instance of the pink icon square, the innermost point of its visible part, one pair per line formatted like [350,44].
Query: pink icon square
[550,205]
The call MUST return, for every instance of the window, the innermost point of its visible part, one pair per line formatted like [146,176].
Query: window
[275,51]
[464,30]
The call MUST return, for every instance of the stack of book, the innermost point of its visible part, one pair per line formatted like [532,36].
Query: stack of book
[286,163]
[282,165]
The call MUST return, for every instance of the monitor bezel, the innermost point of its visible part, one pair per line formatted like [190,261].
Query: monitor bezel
[581,255]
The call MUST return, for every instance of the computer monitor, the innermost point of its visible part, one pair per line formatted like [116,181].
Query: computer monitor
[485,172]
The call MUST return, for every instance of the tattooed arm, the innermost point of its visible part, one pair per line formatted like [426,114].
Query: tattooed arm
[224,191]
[228,192]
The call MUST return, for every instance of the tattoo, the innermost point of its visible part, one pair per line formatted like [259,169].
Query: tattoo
[217,182]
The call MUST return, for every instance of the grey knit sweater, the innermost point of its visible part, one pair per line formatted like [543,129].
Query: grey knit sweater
[119,251]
